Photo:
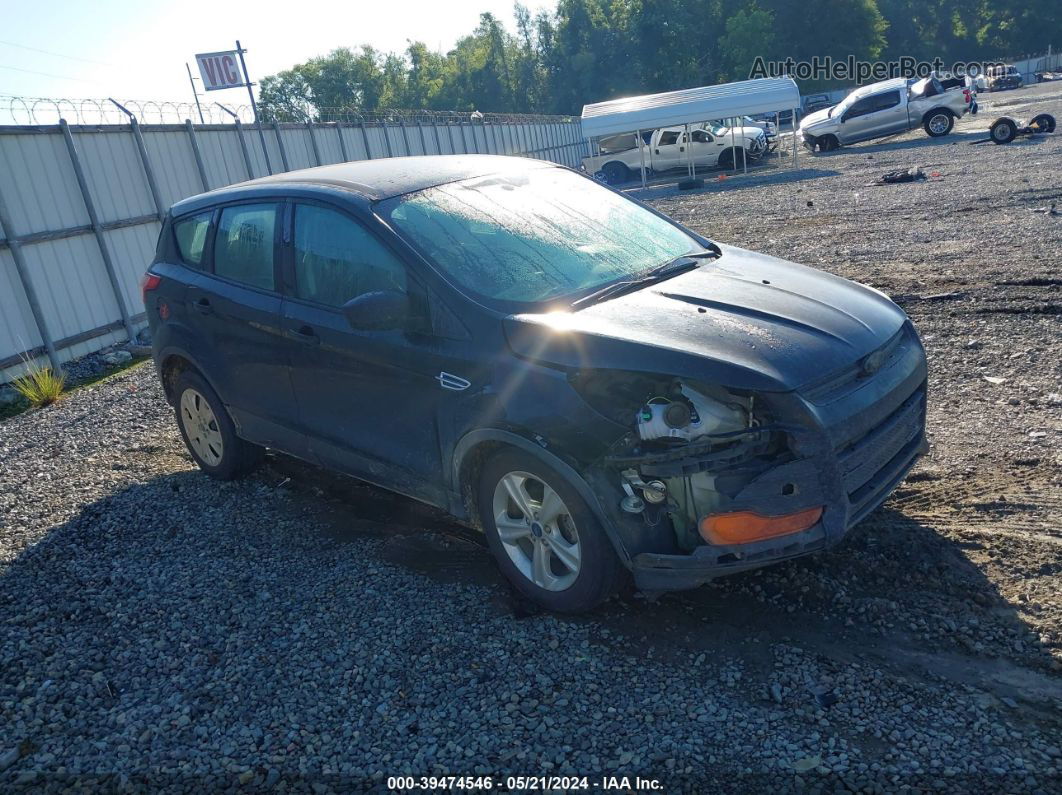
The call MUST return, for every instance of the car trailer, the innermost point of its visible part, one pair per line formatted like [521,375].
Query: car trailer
[1006,128]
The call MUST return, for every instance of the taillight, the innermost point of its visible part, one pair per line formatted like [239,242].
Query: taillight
[147,284]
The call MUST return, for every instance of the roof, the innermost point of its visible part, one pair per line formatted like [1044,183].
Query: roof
[653,111]
[383,178]
[874,88]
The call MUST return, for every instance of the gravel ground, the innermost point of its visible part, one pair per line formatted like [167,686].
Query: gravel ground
[300,631]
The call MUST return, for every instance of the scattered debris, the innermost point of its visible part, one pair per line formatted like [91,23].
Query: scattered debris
[910,175]
[994,379]
[1046,210]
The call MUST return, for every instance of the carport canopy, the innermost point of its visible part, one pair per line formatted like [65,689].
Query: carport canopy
[690,105]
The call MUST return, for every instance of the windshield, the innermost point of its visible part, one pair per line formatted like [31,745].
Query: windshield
[533,236]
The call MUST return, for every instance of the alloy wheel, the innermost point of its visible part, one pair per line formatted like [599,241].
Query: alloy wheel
[939,123]
[201,427]
[537,531]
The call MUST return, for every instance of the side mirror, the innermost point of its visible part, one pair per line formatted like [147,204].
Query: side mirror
[380,310]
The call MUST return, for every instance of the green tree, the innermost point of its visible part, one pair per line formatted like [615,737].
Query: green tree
[749,35]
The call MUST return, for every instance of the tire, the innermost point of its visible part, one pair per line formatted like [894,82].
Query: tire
[938,123]
[1003,130]
[616,173]
[727,158]
[564,561]
[208,431]
[828,143]
[1044,122]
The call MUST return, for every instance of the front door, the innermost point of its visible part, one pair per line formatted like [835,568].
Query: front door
[873,117]
[369,401]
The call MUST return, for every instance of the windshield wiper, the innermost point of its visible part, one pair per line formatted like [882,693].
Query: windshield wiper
[665,271]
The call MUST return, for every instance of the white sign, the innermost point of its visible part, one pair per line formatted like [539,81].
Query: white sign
[220,70]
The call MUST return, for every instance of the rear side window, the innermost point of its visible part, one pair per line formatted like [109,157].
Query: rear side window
[191,234]
[669,137]
[890,99]
[337,259]
[244,246]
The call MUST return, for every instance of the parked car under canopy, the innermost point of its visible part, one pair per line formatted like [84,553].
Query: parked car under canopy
[689,106]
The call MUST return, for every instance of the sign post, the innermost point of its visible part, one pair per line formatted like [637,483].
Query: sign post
[228,69]
[194,92]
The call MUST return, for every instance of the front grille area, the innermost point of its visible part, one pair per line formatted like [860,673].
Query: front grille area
[871,465]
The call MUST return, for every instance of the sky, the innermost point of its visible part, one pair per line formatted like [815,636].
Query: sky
[137,49]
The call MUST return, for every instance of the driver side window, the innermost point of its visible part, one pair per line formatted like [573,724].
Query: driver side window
[337,259]
[860,108]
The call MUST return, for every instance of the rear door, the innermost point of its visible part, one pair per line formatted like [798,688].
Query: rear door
[235,306]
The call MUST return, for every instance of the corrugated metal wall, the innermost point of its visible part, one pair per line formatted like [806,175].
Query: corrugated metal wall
[57,257]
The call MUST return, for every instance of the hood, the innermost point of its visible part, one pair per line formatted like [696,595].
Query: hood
[817,117]
[748,132]
[746,321]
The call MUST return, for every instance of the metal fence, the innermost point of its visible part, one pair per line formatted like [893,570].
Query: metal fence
[80,205]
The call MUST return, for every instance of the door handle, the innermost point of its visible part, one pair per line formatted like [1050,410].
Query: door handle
[682,149]
[657,151]
[203,306]
[305,335]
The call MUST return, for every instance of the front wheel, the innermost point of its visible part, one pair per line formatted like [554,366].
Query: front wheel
[543,535]
[616,173]
[1043,122]
[208,430]
[938,123]
[1003,130]
[828,143]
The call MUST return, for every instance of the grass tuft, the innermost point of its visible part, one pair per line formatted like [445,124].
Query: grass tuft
[39,385]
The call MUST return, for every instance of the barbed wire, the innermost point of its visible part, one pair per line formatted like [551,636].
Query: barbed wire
[16,110]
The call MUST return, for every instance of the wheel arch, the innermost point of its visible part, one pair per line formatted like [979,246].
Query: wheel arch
[929,114]
[475,447]
[173,361]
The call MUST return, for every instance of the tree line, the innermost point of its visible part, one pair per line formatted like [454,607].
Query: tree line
[592,50]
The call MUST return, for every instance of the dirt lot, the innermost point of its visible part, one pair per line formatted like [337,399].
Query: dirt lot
[297,630]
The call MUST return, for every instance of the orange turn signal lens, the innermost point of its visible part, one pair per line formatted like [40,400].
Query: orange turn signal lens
[742,527]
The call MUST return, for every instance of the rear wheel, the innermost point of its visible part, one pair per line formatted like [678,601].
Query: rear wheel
[543,535]
[208,430]
[938,123]
[616,173]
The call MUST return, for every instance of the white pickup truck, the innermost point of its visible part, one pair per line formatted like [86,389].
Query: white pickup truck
[887,108]
[709,145]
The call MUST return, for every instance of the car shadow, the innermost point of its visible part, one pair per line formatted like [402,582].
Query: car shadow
[126,568]
[954,139]
[714,184]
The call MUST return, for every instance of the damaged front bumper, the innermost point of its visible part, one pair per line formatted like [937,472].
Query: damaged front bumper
[863,434]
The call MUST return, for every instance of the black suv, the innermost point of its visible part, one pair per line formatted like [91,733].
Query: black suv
[594,386]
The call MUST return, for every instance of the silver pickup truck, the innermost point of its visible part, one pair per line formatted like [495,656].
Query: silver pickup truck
[887,108]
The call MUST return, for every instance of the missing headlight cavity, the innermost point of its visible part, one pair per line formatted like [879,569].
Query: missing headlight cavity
[689,449]
[687,413]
